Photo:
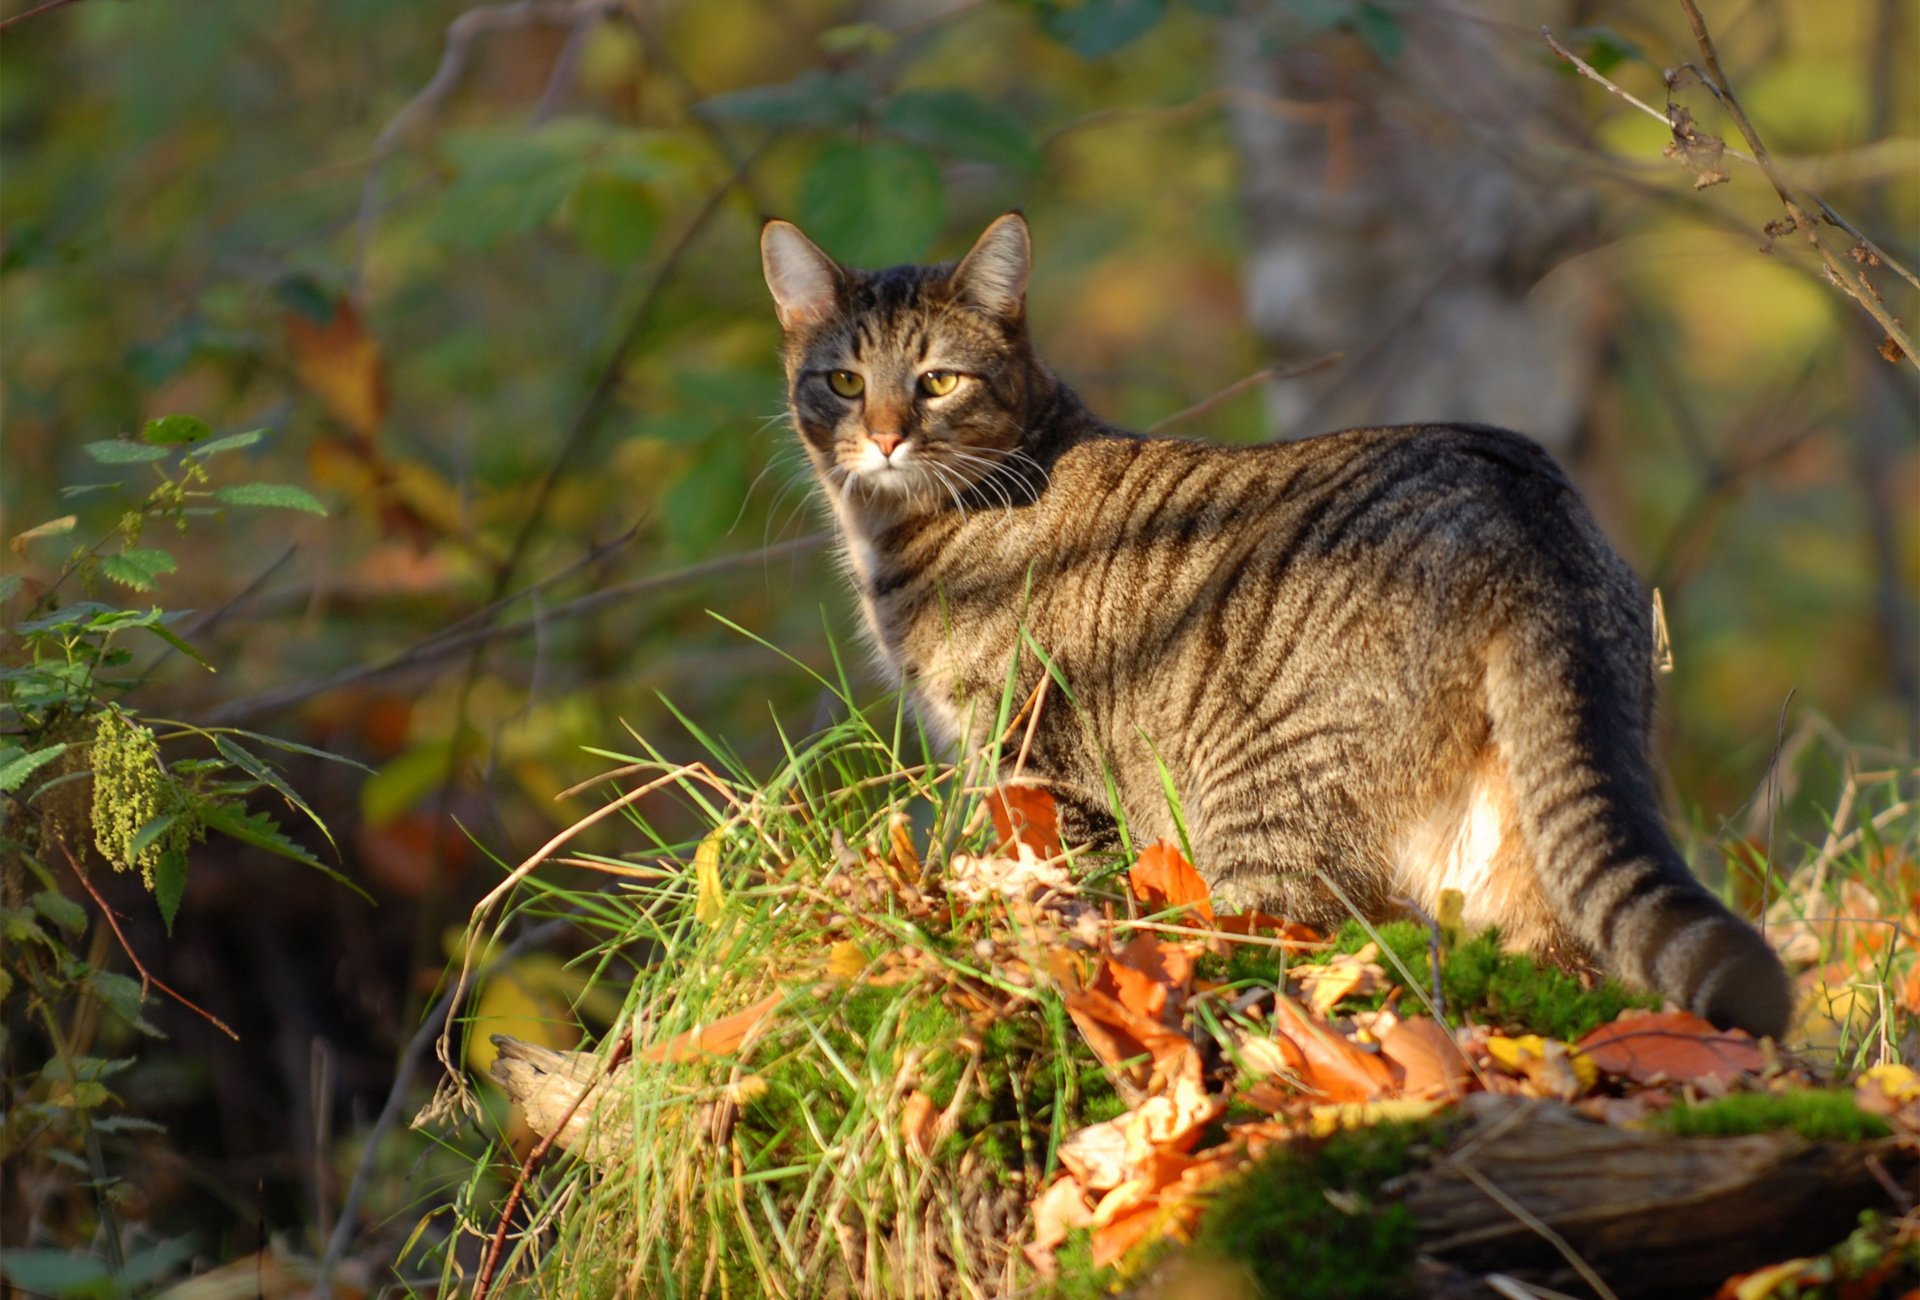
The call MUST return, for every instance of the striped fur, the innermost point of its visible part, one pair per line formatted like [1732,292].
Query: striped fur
[1375,664]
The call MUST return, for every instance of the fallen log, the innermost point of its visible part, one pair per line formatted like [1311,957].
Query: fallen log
[1531,1189]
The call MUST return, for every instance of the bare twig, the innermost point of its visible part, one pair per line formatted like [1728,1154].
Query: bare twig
[435,648]
[147,977]
[1537,1226]
[32,13]
[484,1283]
[410,1059]
[1239,386]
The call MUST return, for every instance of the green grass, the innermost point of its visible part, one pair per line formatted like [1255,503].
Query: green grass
[1821,1114]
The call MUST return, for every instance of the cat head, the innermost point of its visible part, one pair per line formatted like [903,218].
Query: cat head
[908,386]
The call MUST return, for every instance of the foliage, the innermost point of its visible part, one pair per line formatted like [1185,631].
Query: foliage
[72,752]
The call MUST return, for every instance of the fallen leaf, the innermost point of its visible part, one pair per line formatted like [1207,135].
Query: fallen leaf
[1025,878]
[715,1039]
[1353,974]
[1551,1066]
[1430,1063]
[1119,1036]
[1148,976]
[1293,936]
[1676,1045]
[905,861]
[1764,1282]
[1057,1211]
[845,960]
[1097,1155]
[1163,879]
[917,1118]
[710,899]
[1325,1121]
[1025,814]
[1335,1067]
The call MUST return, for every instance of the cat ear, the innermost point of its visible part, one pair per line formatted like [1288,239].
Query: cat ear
[993,276]
[805,281]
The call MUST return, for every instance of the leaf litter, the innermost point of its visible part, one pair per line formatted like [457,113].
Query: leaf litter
[1214,1071]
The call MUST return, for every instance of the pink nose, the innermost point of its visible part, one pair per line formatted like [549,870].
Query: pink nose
[886,442]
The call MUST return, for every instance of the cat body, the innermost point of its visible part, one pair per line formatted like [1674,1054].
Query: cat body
[1373,665]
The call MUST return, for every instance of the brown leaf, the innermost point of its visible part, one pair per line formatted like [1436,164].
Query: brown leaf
[917,1118]
[906,862]
[1025,814]
[1430,1064]
[1293,936]
[716,1039]
[1335,1067]
[1148,976]
[1057,1211]
[1676,1045]
[1353,974]
[341,363]
[1118,1035]
[1162,878]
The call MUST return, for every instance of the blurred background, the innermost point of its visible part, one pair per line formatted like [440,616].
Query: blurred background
[489,273]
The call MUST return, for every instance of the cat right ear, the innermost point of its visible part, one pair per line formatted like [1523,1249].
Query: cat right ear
[805,281]
[993,274]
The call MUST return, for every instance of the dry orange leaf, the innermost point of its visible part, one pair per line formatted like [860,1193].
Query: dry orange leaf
[1025,814]
[1354,974]
[917,1118]
[1292,934]
[1675,1044]
[717,1039]
[1148,976]
[1430,1063]
[341,363]
[1162,878]
[1057,1211]
[1119,1035]
[1335,1067]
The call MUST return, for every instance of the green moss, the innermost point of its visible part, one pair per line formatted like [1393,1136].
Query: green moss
[1078,1279]
[1309,1221]
[1824,1115]
[1484,983]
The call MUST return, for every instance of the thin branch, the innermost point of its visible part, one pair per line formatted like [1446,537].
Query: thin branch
[439,646]
[147,977]
[1239,386]
[410,1059]
[484,1283]
[32,13]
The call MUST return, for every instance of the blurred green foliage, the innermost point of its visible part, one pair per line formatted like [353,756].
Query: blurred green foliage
[496,283]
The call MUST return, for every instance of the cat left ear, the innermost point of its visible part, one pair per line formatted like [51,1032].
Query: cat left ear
[993,275]
[805,281]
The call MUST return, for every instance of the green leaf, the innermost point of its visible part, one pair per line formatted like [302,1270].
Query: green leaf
[146,836]
[283,496]
[173,639]
[232,442]
[263,832]
[294,747]
[56,1273]
[961,123]
[511,182]
[260,771]
[1380,28]
[873,204]
[1604,48]
[61,910]
[171,429]
[16,766]
[1096,28]
[122,996]
[124,453]
[138,567]
[812,99]
[169,884]
[613,218]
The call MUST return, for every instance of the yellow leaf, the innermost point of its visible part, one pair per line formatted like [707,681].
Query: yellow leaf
[510,1003]
[1763,1283]
[1556,1066]
[1898,1082]
[1453,910]
[710,900]
[1324,1121]
[845,961]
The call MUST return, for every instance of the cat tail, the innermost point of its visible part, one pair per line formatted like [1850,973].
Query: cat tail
[1571,730]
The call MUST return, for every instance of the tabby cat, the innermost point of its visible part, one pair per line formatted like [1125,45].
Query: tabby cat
[1375,664]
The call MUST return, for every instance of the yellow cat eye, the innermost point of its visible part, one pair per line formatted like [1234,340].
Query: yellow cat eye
[845,383]
[938,383]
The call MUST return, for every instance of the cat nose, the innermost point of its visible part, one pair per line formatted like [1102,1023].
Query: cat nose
[886,442]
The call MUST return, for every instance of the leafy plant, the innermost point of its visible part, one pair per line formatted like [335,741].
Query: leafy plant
[83,771]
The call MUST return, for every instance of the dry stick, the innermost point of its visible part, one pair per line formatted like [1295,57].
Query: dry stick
[1850,282]
[32,13]
[147,978]
[1538,1226]
[484,1283]
[1239,386]
[410,1059]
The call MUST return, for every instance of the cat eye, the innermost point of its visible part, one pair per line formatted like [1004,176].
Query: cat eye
[845,383]
[938,383]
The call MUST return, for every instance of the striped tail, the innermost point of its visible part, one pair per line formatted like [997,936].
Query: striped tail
[1570,724]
